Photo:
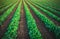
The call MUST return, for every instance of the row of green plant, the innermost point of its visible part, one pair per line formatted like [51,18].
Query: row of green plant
[48,8]
[48,13]
[5,15]
[31,24]
[52,4]
[55,4]
[11,32]
[4,8]
[4,3]
[48,23]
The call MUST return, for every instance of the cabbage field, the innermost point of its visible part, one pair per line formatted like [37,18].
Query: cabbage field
[29,19]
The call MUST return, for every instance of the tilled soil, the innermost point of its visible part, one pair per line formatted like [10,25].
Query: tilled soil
[53,20]
[22,30]
[4,26]
[45,33]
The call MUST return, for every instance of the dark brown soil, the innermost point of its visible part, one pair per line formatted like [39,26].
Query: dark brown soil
[53,20]
[22,30]
[45,33]
[6,23]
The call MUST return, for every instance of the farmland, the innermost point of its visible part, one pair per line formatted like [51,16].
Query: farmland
[29,19]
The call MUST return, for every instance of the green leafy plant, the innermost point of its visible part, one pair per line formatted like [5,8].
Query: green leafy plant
[11,32]
[32,27]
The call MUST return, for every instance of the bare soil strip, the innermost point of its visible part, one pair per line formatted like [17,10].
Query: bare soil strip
[44,31]
[22,30]
[55,21]
[6,23]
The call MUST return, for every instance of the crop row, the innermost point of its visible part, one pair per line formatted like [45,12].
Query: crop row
[31,24]
[48,8]
[51,4]
[48,23]
[4,16]
[48,13]
[4,3]
[4,8]
[11,32]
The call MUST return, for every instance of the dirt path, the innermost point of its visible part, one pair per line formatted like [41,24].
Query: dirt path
[45,33]
[22,30]
[6,23]
[55,21]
